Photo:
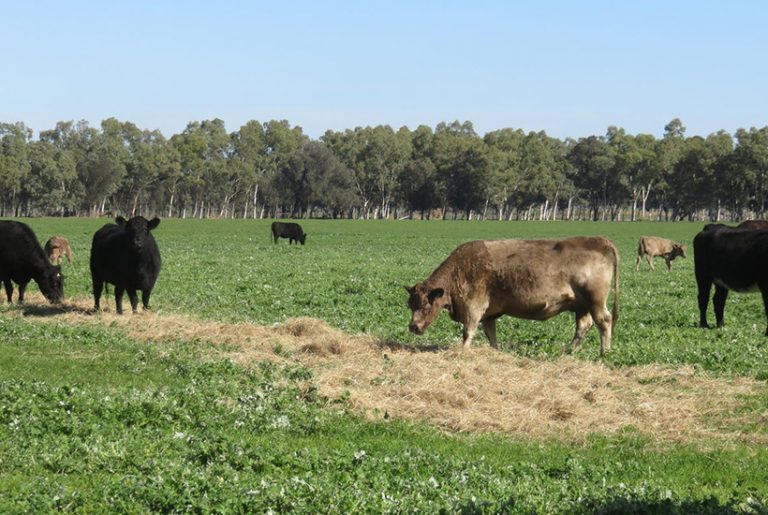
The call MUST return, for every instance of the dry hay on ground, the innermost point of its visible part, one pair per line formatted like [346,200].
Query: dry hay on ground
[478,390]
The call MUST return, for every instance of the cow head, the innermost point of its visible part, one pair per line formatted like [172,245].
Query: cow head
[678,250]
[303,238]
[426,303]
[138,229]
[52,284]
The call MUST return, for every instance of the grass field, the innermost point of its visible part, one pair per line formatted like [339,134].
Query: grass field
[219,400]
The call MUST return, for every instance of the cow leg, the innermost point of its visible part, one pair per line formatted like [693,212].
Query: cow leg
[718,301]
[637,262]
[98,286]
[583,323]
[22,289]
[468,333]
[669,263]
[602,318]
[134,299]
[764,293]
[705,286]
[119,299]
[489,328]
[145,298]
[8,289]
[650,261]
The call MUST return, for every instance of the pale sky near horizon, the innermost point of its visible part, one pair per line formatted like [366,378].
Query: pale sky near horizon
[569,68]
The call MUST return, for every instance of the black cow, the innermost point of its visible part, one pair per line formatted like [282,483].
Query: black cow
[733,259]
[125,255]
[755,225]
[23,259]
[289,230]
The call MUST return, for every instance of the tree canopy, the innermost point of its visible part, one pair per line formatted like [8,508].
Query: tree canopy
[274,169]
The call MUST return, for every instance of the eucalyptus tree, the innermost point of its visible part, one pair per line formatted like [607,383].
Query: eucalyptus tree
[460,158]
[282,141]
[418,187]
[147,157]
[505,149]
[668,152]
[595,175]
[633,164]
[248,161]
[694,178]
[313,177]
[377,157]
[51,186]
[190,146]
[543,174]
[204,150]
[14,164]
[750,157]
[101,162]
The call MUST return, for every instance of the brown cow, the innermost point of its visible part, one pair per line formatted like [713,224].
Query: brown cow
[652,246]
[58,246]
[533,279]
[755,225]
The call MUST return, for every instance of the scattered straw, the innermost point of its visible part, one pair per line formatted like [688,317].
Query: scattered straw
[478,390]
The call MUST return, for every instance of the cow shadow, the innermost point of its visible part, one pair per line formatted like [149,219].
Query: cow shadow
[52,310]
[395,346]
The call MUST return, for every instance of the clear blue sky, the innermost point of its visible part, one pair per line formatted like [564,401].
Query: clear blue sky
[571,68]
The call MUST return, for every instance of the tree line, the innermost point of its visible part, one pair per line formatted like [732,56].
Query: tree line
[273,169]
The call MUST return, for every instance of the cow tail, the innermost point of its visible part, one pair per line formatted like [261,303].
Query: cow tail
[615,313]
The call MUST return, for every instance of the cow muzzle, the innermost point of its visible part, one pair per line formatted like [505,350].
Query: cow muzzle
[415,328]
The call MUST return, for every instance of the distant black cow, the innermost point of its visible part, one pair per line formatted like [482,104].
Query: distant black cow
[289,230]
[125,255]
[760,225]
[733,259]
[23,259]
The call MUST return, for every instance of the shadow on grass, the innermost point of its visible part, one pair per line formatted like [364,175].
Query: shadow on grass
[393,345]
[621,505]
[50,310]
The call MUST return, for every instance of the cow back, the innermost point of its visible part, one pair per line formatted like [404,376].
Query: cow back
[732,256]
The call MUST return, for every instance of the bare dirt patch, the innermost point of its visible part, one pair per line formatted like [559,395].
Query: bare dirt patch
[477,390]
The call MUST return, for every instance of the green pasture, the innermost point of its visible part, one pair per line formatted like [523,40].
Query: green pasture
[352,273]
[92,421]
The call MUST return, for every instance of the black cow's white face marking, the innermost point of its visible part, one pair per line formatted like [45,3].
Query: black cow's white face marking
[53,285]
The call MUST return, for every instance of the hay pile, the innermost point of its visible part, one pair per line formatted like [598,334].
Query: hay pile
[478,390]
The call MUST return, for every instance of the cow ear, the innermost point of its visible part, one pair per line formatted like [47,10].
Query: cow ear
[409,289]
[436,294]
[153,223]
[120,221]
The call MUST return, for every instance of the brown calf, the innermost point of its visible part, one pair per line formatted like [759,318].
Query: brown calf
[653,246]
[56,247]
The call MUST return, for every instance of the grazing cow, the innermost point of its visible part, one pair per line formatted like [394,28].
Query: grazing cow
[58,246]
[23,259]
[733,259]
[125,255]
[653,246]
[289,230]
[759,225]
[534,279]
